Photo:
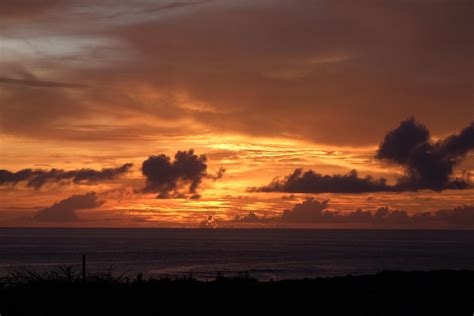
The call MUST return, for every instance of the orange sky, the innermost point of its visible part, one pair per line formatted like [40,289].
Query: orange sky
[261,88]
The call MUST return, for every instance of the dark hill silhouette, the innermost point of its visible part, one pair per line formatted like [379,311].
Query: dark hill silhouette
[63,292]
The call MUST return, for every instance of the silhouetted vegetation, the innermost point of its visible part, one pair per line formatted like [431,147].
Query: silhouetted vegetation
[62,291]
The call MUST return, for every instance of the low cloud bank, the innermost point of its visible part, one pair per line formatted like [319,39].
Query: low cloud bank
[312,182]
[36,178]
[312,212]
[64,210]
[428,165]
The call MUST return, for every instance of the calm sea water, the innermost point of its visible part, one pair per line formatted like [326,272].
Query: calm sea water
[265,254]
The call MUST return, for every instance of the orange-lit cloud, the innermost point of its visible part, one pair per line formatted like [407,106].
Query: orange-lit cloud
[261,87]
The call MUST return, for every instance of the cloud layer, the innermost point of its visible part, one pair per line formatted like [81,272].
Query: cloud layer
[312,211]
[64,210]
[36,178]
[290,60]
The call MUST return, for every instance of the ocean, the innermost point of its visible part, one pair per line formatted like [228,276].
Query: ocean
[265,254]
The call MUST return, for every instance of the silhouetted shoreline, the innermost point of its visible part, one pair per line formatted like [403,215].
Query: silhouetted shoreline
[62,291]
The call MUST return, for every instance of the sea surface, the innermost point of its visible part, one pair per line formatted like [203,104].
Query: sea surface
[265,254]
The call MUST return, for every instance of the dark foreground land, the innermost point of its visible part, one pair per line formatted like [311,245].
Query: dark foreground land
[385,293]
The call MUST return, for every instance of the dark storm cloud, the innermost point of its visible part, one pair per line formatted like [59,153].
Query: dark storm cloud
[312,182]
[428,165]
[312,211]
[176,178]
[36,178]
[64,211]
[400,143]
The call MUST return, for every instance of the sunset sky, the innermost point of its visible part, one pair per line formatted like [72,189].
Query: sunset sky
[123,98]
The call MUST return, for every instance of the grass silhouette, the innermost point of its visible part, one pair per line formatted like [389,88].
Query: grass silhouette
[63,291]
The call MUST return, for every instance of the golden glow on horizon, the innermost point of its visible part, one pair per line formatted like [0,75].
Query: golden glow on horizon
[249,162]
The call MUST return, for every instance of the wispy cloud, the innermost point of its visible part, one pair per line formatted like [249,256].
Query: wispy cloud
[40,83]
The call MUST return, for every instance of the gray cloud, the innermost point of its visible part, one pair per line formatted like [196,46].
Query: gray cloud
[64,210]
[312,182]
[36,178]
[176,178]
[428,165]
